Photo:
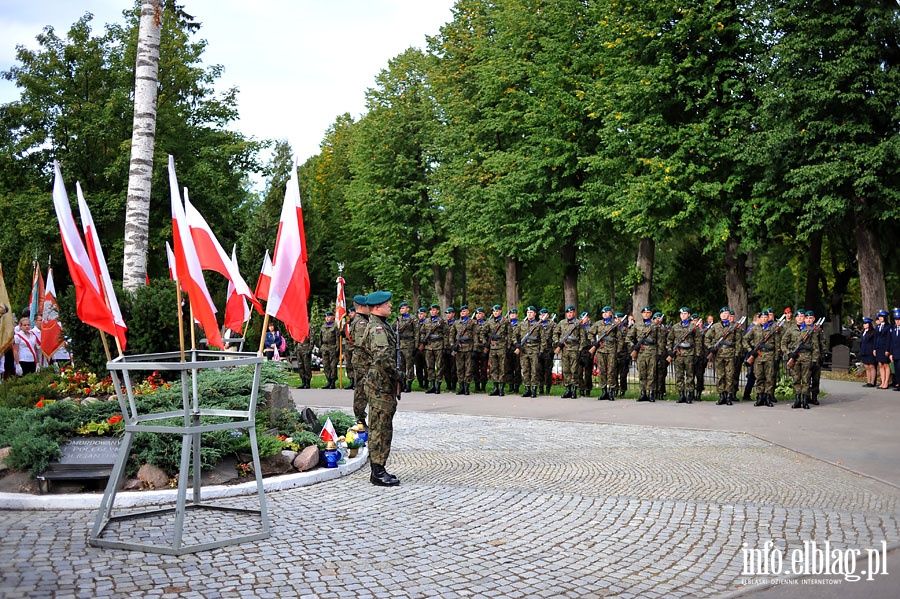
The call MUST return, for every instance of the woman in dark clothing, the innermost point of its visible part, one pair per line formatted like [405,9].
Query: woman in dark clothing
[883,349]
[867,351]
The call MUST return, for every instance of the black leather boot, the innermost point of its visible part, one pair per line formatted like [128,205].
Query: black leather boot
[804,401]
[814,399]
[798,403]
[652,396]
[430,388]
[574,391]
[437,388]
[690,397]
[760,400]
[568,393]
[459,390]
[722,399]
[729,398]
[643,396]
[382,478]
[495,391]
[349,385]
[527,391]
[534,392]
[502,389]
[682,398]
[770,400]
[466,389]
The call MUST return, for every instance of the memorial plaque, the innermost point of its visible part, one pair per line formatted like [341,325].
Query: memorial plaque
[840,358]
[100,451]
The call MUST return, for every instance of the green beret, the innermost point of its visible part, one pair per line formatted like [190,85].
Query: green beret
[620,315]
[449,310]
[376,298]
[532,308]
[497,307]
[544,311]
[404,304]
[810,313]
[725,309]
[570,308]
[423,309]
[435,307]
[513,311]
[646,309]
[329,313]
[694,316]
[359,299]
[479,310]
[464,307]
[657,314]
[606,309]
[583,314]
[685,309]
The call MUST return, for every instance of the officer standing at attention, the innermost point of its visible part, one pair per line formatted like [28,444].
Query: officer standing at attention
[585,372]
[623,359]
[361,357]
[498,335]
[462,346]
[513,364]
[329,335]
[605,336]
[450,375]
[383,386]
[642,344]
[419,355]
[431,341]
[726,336]
[304,360]
[684,342]
[568,337]
[347,343]
[545,357]
[800,345]
[480,355]
[528,346]
[409,335]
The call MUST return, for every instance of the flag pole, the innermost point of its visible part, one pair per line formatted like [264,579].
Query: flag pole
[106,346]
[180,318]
[262,337]
[193,329]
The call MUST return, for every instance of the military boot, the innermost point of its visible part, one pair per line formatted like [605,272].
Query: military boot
[502,389]
[568,393]
[652,396]
[729,398]
[437,388]
[798,403]
[527,391]
[574,391]
[722,399]
[495,391]
[610,394]
[382,478]
[770,400]
[643,396]
[467,388]
[534,392]
[459,390]
[430,388]
[814,399]
[760,400]
[804,401]
[682,398]
[690,397]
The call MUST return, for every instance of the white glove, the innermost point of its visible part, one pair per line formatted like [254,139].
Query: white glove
[18,370]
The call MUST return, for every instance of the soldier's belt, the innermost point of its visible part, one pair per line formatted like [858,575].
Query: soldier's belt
[496,337]
[606,339]
[684,345]
[648,342]
[728,344]
[435,337]
[464,339]
[804,348]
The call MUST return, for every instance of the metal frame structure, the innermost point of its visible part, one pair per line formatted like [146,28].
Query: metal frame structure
[190,431]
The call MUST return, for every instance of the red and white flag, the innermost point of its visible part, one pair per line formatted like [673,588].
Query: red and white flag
[98,261]
[51,331]
[328,433]
[340,304]
[187,265]
[89,303]
[265,279]
[170,257]
[289,289]
[237,312]
[212,255]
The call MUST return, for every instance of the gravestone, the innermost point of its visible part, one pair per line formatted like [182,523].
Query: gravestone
[840,358]
[83,458]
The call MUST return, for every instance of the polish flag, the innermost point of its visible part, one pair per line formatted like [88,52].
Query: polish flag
[340,304]
[265,279]
[170,257]
[89,303]
[212,255]
[237,312]
[187,265]
[289,289]
[92,240]
[328,433]
[51,331]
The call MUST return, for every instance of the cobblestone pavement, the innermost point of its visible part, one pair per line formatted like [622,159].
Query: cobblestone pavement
[491,507]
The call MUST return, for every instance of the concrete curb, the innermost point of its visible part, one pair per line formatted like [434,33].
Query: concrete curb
[133,499]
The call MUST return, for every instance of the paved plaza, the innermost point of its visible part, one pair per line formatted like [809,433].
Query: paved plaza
[512,497]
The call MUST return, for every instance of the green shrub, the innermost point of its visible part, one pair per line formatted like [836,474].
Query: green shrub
[26,391]
[341,421]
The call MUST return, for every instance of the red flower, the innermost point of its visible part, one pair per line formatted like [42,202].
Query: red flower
[87,390]
[115,419]
[40,404]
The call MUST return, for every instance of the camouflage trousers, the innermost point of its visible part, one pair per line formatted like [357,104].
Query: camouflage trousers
[407,362]
[330,362]
[528,360]
[801,372]
[360,392]
[684,373]
[434,364]
[570,366]
[381,426]
[606,367]
[497,364]
[726,374]
[764,368]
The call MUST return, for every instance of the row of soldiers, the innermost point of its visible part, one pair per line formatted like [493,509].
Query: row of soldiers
[474,349]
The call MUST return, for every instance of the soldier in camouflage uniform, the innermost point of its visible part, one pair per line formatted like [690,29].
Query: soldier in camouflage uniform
[513,365]
[463,336]
[383,384]
[480,357]
[362,359]
[725,337]
[498,334]
[409,338]
[329,336]
[816,367]
[450,375]
[800,344]
[347,347]
[662,352]
[759,343]
[699,357]
[528,346]
[684,343]
[623,357]
[545,357]
[431,342]
[303,349]
[642,340]
[568,338]
[419,355]
[605,337]
[585,370]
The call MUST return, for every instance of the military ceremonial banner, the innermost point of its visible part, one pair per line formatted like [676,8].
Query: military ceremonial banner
[51,331]
[212,255]
[340,304]
[187,265]
[289,288]
[37,292]
[265,279]
[6,317]
[89,303]
[98,261]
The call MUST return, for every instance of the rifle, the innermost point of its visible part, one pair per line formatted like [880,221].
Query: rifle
[715,348]
[796,353]
[675,351]
[459,337]
[637,346]
[562,342]
[528,336]
[598,343]
[751,357]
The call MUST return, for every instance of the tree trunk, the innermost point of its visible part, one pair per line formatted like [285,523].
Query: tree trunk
[443,285]
[813,272]
[871,270]
[416,294]
[736,278]
[143,137]
[513,268]
[570,274]
[646,252]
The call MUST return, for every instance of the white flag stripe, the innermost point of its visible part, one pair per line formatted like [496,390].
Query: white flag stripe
[91,234]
